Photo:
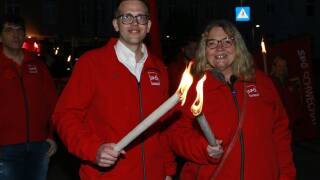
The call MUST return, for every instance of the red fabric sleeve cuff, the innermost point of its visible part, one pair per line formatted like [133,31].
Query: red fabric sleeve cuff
[92,150]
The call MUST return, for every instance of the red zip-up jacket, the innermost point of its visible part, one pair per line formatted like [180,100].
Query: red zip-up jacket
[28,97]
[263,150]
[101,103]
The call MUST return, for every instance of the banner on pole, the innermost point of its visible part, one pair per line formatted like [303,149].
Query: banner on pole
[299,94]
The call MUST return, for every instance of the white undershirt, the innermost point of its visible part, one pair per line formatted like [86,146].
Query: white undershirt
[128,58]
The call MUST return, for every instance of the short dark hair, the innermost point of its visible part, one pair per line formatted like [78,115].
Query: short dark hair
[13,19]
[117,12]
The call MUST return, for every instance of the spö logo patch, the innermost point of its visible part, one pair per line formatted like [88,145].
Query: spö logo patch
[154,78]
[252,91]
[32,69]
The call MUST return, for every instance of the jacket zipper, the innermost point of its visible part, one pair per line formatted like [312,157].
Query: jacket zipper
[234,95]
[26,105]
[142,143]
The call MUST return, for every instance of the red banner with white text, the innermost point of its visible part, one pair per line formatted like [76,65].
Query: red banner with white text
[301,105]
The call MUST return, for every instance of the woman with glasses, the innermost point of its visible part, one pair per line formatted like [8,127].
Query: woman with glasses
[243,110]
[112,89]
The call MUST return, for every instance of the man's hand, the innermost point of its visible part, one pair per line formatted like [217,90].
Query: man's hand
[107,156]
[52,147]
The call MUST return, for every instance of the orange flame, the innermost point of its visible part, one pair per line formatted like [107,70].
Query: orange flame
[185,83]
[196,107]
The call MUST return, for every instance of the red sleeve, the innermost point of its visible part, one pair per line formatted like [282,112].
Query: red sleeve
[282,139]
[70,118]
[169,157]
[188,141]
[185,135]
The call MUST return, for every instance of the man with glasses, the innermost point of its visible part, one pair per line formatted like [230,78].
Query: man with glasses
[111,90]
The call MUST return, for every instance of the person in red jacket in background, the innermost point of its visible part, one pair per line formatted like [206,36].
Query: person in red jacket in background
[176,68]
[243,110]
[111,90]
[28,98]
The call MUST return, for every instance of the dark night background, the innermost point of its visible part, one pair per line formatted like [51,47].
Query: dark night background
[79,25]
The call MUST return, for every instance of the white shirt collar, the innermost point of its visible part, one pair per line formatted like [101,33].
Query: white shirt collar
[128,59]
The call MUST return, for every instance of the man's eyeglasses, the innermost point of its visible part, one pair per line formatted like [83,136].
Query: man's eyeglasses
[225,42]
[129,18]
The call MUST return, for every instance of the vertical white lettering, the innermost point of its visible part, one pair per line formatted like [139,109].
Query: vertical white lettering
[307,86]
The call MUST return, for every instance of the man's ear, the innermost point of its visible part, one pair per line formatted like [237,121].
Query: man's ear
[115,25]
[149,26]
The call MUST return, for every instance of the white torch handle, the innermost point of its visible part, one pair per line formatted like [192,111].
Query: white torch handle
[147,122]
[206,129]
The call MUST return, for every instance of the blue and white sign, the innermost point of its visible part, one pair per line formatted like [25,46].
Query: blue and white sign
[243,13]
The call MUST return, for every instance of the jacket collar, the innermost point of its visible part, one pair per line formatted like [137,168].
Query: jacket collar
[151,62]
[214,81]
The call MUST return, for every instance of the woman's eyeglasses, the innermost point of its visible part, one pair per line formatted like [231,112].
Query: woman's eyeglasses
[225,42]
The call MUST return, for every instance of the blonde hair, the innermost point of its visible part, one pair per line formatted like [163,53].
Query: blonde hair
[243,63]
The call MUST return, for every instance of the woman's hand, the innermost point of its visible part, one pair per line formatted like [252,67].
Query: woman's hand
[215,151]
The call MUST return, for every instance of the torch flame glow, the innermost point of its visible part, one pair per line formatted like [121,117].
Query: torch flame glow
[69,58]
[35,45]
[185,83]
[196,107]
[263,46]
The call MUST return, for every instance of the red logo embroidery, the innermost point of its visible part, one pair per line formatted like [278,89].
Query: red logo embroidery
[252,91]
[154,78]
[32,69]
